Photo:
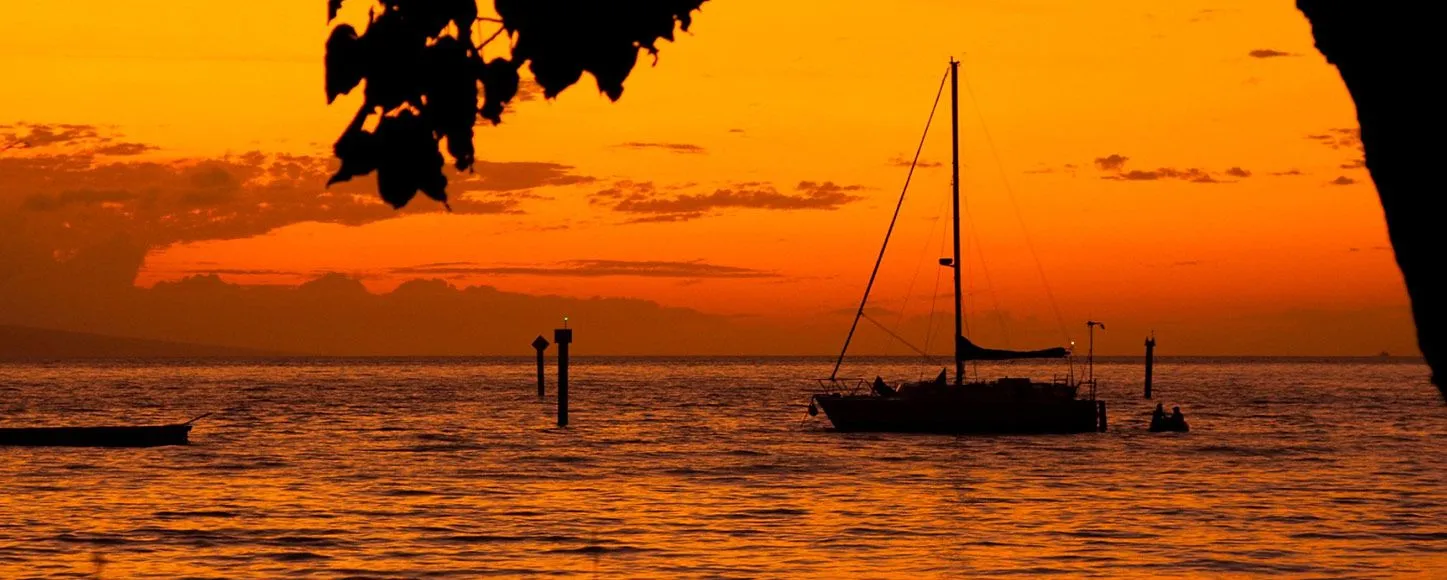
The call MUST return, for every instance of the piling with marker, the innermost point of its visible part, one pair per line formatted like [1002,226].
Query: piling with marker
[563,336]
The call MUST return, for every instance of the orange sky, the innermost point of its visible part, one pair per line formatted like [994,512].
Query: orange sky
[784,92]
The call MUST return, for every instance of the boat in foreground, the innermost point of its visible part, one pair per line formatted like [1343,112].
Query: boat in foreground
[149,436]
[1001,406]
[109,436]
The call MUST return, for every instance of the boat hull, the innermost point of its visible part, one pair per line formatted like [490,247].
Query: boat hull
[150,436]
[960,415]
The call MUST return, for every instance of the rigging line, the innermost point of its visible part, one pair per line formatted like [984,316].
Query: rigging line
[967,264]
[896,336]
[929,329]
[909,292]
[979,248]
[880,260]
[990,287]
[1029,243]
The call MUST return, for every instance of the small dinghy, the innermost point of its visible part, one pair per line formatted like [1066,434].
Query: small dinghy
[144,436]
[1173,423]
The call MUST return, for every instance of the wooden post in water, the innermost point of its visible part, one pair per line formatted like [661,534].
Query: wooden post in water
[1150,362]
[541,344]
[563,336]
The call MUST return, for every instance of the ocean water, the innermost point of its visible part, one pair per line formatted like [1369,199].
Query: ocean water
[710,468]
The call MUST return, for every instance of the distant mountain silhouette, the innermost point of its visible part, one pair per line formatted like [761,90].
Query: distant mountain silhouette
[23,342]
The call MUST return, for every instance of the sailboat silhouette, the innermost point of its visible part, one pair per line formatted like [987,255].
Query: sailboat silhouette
[1010,405]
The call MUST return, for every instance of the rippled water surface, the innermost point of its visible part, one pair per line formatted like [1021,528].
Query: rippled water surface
[711,468]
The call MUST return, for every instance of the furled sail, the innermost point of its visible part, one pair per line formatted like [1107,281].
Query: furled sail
[966,350]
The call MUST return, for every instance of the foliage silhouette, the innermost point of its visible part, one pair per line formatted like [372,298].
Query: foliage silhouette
[422,70]
[1385,53]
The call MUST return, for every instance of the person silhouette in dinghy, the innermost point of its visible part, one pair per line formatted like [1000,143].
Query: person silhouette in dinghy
[882,389]
[1178,421]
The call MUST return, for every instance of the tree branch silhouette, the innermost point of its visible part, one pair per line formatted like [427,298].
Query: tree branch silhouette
[422,73]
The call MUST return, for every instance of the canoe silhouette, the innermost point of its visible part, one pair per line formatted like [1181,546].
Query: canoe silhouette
[112,436]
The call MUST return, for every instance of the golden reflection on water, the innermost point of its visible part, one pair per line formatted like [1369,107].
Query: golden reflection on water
[704,468]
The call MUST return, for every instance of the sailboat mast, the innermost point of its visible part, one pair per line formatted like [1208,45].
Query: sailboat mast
[955,186]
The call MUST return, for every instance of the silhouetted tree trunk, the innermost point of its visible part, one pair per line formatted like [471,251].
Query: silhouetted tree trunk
[1386,53]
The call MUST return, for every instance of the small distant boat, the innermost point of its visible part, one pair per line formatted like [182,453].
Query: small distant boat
[1005,405]
[1169,425]
[1173,423]
[110,436]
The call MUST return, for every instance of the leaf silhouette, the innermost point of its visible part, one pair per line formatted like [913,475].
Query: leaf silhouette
[408,160]
[423,70]
[500,84]
[344,61]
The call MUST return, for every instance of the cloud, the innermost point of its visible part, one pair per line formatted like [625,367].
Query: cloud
[43,135]
[1342,180]
[245,272]
[1349,138]
[1268,53]
[61,201]
[686,148]
[163,202]
[593,269]
[42,202]
[72,138]
[528,90]
[665,218]
[517,176]
[1288,172]
[124,149]
[1042,169]
[1191,174]
[900,161]
[665,206]
[1112,162]
[1340,138]
[736,130]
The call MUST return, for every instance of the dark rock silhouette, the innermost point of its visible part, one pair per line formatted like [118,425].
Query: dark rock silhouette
[1384,52]
[422,70]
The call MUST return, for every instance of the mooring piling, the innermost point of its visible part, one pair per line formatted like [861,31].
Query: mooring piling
[541,344]
[563,336]
[1150,361]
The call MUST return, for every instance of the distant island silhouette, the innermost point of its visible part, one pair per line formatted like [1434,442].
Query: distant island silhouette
[23,342]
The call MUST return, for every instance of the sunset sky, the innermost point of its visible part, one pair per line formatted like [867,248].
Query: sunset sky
[1187,167]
